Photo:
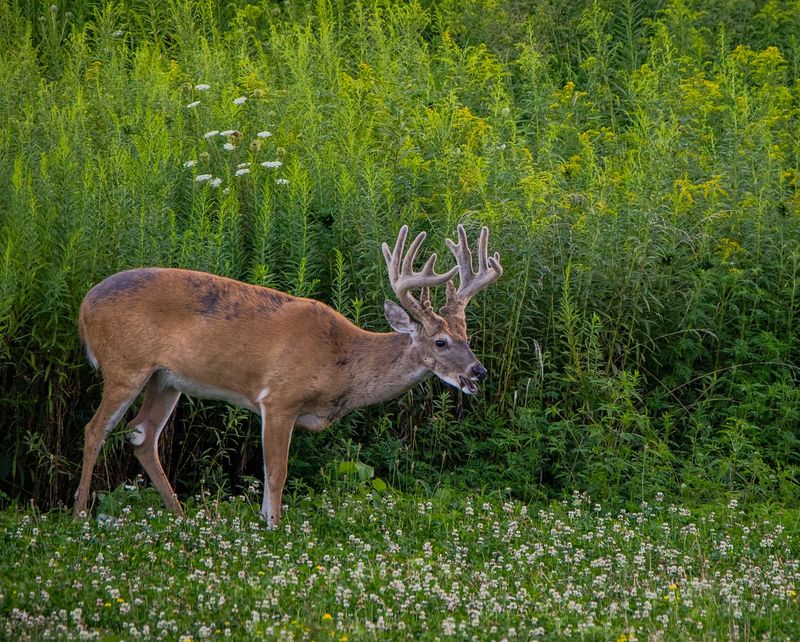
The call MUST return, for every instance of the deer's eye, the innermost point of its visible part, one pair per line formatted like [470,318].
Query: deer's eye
[441,343]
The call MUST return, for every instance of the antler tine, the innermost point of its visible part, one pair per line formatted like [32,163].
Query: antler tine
[489,268]
[404,278]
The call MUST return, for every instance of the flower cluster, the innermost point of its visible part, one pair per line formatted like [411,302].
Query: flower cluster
[231,141]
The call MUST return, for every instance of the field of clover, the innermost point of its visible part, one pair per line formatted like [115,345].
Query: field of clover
[354,564]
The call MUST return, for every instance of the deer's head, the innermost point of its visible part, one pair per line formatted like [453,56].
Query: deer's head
[440,340]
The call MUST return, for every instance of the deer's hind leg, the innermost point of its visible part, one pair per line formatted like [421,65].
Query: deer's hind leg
[158,404]
[117,398]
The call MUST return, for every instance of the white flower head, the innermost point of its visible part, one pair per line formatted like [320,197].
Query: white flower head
[202,87]
[281,181]
[226,190]
[242,171]
[193,105]
[211,134]
[202,178]
[264,134]
[190,163]
[241,165]
[271,164]
[215,182]
[229,147]
[241,100]
[227,132]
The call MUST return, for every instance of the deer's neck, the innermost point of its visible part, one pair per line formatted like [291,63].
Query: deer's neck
[382,366]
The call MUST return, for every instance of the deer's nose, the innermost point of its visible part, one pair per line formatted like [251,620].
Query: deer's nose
[479,371]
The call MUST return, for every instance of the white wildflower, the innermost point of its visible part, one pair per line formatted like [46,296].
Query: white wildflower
[202,87]
[240,165]
[190,163]
[227,132]
[201,178]
[264,134]
[241,100]
[242,171]
[271,164]
[215,182]
[282,181]
[210,134]
[228,147]
[193,105]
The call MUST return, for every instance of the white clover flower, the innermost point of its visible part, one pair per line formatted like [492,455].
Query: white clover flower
[190,163]
[211,134]
[271,164]
[281,181]
[241,100]
[193,105]
[215,182]
[227,132]
[202,87]
[240,165]
[201,178]
[242,171]
[228,147]
[264,134]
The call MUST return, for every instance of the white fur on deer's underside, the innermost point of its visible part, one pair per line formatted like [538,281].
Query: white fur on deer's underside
[205,391]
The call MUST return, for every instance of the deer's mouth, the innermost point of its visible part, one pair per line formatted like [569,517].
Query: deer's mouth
[468,385]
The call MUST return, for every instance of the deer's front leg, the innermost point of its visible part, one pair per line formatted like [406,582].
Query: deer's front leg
[276,435]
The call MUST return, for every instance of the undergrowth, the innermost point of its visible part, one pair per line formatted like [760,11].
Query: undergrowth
[637,164]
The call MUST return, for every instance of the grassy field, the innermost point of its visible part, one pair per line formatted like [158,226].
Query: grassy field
[353,564]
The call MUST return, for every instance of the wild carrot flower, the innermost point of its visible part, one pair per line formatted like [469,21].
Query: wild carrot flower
[193,105]
[271,164]
[202,178]
[282,181]
[202,87]
[215,182]
[241,100]
[264,134]
[242,171]
[190,163]
[229,147]
[211,134]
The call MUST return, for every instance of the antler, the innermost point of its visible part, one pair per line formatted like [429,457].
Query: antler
[403,278]
[470,283]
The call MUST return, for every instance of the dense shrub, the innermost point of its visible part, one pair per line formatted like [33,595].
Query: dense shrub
[637,163]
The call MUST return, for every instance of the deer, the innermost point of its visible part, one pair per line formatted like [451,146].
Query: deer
[293,361]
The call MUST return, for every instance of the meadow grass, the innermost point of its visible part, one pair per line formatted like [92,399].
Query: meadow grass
[637,164]
[353,564]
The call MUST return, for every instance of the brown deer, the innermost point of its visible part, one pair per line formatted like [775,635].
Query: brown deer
[291,360]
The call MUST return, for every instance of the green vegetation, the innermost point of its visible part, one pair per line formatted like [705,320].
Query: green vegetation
[638,165]
[357,565]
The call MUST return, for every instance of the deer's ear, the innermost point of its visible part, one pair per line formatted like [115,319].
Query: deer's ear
[398,319]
